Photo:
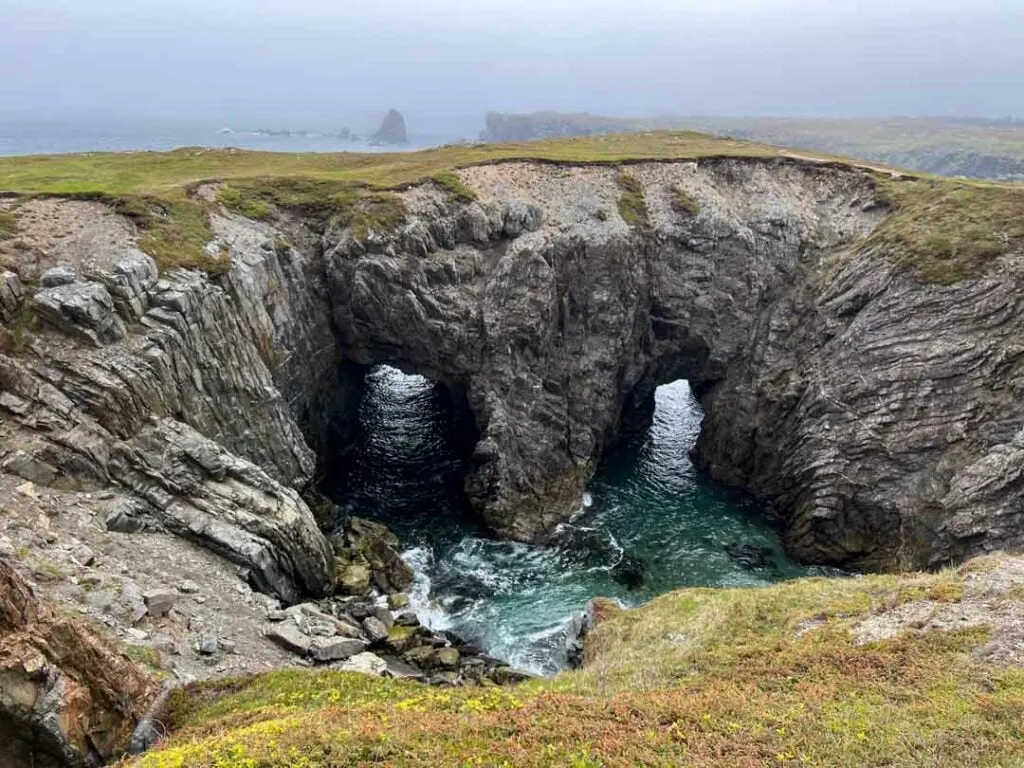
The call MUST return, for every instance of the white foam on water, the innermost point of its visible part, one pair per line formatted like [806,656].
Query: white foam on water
[430,612]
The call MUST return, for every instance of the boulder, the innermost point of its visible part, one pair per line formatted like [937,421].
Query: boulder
[751,557]
[365,663]
[447,657]
[384,616]
[56,276]
[352,580]
[421,655]
[402,670]
[290,638]
[407,619]
[400,638]
[371,545]
[159,602]
[508,676]
[325,649]
[375,629]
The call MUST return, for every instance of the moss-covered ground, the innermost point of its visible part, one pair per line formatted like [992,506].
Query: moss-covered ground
[701,677]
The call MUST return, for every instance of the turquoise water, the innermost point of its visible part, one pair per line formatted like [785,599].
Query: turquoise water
[650,523]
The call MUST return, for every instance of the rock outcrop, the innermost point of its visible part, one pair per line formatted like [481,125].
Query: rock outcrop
[391,130]
[67,697]
[200,397]
[878,411]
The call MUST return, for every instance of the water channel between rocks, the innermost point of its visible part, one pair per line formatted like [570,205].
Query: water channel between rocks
[651,523]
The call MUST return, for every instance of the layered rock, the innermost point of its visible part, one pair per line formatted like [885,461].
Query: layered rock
[556,316]
[878,411]
[189,392]
[67,697]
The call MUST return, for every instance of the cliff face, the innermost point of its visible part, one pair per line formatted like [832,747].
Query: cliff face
[190,402]
[878,411]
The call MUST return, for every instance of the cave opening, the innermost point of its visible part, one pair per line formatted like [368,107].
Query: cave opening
[406,458]
[675,525]
[650,522]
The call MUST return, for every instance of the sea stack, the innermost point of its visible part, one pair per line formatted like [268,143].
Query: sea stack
[392,129]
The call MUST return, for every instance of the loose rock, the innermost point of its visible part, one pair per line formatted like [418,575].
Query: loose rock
[335,648]
[159,602]
[290,638]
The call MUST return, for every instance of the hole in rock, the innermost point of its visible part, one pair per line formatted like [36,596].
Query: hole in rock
[650,522]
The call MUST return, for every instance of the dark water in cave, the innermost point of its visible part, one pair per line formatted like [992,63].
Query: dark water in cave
[650,523]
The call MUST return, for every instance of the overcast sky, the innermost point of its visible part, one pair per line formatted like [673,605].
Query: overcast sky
[313,63]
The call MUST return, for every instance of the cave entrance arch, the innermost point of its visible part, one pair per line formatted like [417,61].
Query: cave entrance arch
[674,525]
[407,458]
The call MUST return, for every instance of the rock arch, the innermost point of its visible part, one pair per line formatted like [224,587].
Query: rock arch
[559,319]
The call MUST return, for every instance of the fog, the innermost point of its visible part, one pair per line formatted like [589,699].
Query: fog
[321,64]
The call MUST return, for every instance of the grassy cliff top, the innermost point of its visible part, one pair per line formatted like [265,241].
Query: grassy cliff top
[880,670]
[945,229]
[158,173]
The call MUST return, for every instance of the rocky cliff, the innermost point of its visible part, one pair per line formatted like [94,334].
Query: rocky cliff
[185,394]
[877,409]
[67,696]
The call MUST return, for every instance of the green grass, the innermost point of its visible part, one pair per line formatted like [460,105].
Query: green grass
[684,204]
[154,188]
[701,677]
[457,190]
[156,173]
[173,227]
[632,206]
[352,205]
[857,137]
[142,654]
[8,225]
[948,230]
[945,230]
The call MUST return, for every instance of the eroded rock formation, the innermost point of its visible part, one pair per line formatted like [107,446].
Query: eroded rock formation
[878,411]
[196,408]
[391,130]
[67,697]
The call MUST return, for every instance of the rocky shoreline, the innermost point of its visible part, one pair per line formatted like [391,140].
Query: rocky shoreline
[162,433]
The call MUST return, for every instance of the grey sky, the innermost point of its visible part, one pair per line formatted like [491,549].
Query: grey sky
[318,63]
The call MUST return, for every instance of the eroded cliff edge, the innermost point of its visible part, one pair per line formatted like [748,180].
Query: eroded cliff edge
[877,409]
[874,407]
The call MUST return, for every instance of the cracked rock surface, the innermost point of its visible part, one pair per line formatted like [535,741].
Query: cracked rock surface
[879,413]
